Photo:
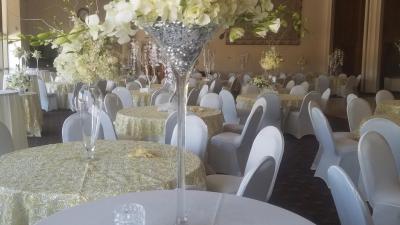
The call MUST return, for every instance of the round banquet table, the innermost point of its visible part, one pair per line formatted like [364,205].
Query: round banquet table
[147,123]
[13,116]
[160,208]
[61,89]
[388,107]
[33,114]
[245,102]
[38,182]
[143,98]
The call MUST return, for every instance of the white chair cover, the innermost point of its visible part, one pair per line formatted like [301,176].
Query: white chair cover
[350,97]
[133,85]
[211,100]
[215,86]
[110,86]
[196,136]
[72,129]
[6,141]
[298,90]
[290,85]
[325,99]
[107,127]
[299,78]
[125,96]
[203,91]
[383,95]
[246,79]
[351,208]
[192,83]
[169,127]
[162,98]
[380,178]
[323,83]
[47,101]
[229,107]
[156,93]
[193,96]
[112,105]
[102,85]
[305,85]
[357,110]
[272,114]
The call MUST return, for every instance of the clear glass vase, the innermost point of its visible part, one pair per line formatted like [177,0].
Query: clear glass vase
[181,46]
[90,104]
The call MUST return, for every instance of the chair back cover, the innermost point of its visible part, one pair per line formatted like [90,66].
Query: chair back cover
[256,184]
[323,83]
[196,136]
[193,96]
[156,93]
[312,96]
[215,86]
[350,97]
[110,86]
[298,90]
[290,85]
[389,130]
[162,98]
[107,127]
[125,96]
[272,114]
[228,107]
[358,109]
[383,95]
[305,85]
[102,85]
[6,142]
[350,206]
[169,126]
[325,98]
[133,85]
[269,142]
[203,91]
[299,78]
[112,105]
[246,79]
[192,82]
[211,100]
[44,100]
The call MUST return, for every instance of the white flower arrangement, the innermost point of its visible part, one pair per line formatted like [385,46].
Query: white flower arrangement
[270,59]
[260,82]
[336,61]
[18,80]
[37,54]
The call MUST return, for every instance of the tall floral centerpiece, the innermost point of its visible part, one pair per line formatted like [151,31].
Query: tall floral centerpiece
[18,79]
[37,55]
[271,60]
[336,61]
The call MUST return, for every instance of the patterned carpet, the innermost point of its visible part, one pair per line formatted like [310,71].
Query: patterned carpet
[296,188]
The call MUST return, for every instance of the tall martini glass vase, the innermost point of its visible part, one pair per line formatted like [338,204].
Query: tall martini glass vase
[181,46]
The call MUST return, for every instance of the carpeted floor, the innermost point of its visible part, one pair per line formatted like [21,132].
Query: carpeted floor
[296,188]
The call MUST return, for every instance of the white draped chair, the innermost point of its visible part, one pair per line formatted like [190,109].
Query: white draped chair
[169,127]
[48,101]
[273,113]
[383,95]
[193,96]
[325,99]
[246,79]
[298,123]
[110,86]
[333,150]
[351,208]
[112,104]
[156,93]
[215,86]
[203,91]
[305,85]
[133,85]
[380,178]
[358,109]
[102,85]
[211,100]
[323,83]
[299,78]
[228,151]
[229,107]
[162,98]
[125,96]
[258,181]
[250,89]
[196,136]
[350,97]
[107,127]
[290,85]
[6,141]
[72,96]
[298,90]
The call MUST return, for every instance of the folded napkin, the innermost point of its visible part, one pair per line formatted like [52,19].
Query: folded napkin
[142,153]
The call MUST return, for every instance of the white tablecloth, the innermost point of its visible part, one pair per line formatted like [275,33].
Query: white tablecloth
[204,208]
[12,114]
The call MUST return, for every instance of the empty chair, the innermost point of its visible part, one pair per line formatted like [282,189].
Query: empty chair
[211,100]
[231,80]
[215,86]
[350,97]
[290,85]
[298,123]
[228,151]
[325,99]
[125,96]
[350,207]
[112,105]
[305,85]
[72,96]
[48,102]
[250,89]
[133,85]
[110,86]
[380,178]
[299,78]
[156,93]
[246,78]
[203,91]
[193,96]
[107,127]
[162,98]
[6,141]
[272,115]
[269,143]
[229,107]
[72,129]
[236,87]
[169,127]
[298,90]
[322,83]
[333,150]
[383,95]
[357,111]
[196,136]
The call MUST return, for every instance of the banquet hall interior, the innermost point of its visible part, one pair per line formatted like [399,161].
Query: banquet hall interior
[134,112]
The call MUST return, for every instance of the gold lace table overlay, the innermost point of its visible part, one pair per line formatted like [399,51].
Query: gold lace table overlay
[147,123]
[38,182]
[141,98]
[245,102]
[33,113]
[389,107]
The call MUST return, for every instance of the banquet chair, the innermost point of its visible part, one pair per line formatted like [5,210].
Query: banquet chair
[322,83]
[250,89]
[358,110]
[203,91]
[246,79]
[269,143]
[325,99]
[162,98]
[112,105]
[229,107]
[125,96]
[107,127]
[196,136]
[133,85]
[156,93]
[72,96]
[142,80]
[110,86]
[72,129]
[169,127]
[299,78]
[231,79]
[228,151]
[211,100]
[350,97]
[290,85]
[348,88]
[236,87]
[333,149]
[192,83]
[383,95]
[6,142]
[298,123]
[305,85]
[389,130]
[48,102]
[380,178]
[215,86]
[193,96]
[272,115]
[298,90]
[102,85]
[351,208]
